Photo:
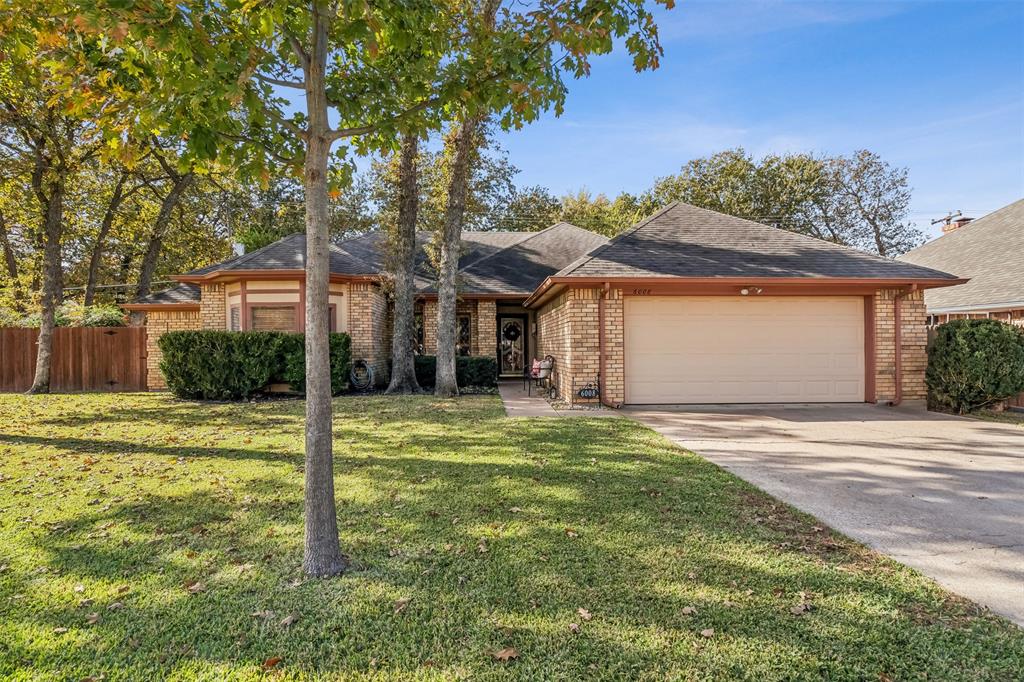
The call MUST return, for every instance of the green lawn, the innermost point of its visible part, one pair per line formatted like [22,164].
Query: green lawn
[143,538]
[1006,417]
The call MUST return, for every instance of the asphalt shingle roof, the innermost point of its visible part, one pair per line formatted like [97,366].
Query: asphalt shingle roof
[182,293]
[686,241]
[493,261]
[989,250]
[522,267]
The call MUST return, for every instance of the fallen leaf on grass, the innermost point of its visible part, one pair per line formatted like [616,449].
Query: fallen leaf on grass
[263,614]
[59,631]
[287,621]
[514,510]
[92,618]
[505,655]
[79,588]
[115,606]
[710,632]
[196,587]
[689,611]
[400,604]
[584,614]
[574,628]
[569,532]
[800,609]
[271,662]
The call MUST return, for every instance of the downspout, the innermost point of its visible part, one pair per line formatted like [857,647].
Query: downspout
[897,314]
[600,343]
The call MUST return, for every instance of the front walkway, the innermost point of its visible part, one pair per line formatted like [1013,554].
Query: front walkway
[519,403]
[942,494]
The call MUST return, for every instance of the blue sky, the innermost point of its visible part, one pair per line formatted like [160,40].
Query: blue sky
[937,87]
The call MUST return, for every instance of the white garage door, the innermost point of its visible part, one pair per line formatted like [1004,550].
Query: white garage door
[744,349]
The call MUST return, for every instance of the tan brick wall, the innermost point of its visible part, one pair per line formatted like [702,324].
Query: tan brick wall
[430,327]
[212,307]
[157,323]
[569,331]
[486,329]
[368,325]
[913,345]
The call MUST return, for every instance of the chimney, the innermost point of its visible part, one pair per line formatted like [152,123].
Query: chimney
[956,223]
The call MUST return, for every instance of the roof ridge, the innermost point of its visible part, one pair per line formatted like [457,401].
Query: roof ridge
[593,253]
[518,243]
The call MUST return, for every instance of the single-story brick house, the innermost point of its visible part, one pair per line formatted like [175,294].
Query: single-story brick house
[688,306]
[988,251]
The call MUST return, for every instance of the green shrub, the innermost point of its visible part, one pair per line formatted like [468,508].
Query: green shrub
[215,365]
[76,315]
[294,362]
[975,363]
[477,372]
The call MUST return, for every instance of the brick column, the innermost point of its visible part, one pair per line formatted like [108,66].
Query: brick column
[613,381]
[913,345]
[368,327]
[430,326]
[485,340]
[212,307]
[159,322]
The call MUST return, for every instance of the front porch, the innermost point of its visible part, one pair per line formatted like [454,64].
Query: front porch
[498,328]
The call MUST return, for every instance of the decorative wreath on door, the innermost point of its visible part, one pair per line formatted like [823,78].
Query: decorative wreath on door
[511,331]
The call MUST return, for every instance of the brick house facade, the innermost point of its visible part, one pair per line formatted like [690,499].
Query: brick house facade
[792,318]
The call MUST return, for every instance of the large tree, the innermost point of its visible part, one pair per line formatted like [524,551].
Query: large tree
[402,263]
[215,72]
[46,135]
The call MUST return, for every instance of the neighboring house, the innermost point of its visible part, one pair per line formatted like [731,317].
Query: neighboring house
[990,251]
[689,306]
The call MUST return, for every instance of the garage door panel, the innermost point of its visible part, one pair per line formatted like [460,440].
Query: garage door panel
[744,349]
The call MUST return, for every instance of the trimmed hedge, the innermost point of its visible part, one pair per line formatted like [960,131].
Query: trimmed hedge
[216,365]
[478,372]
[975,363]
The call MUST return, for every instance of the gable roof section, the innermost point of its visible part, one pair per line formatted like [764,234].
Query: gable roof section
[288,253]
[989,250]
[684,241]
[363,256]
[521,267]
[180,295]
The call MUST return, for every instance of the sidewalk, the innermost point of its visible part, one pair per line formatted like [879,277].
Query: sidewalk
[519,404]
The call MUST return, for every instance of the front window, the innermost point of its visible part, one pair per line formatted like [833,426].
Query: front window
[464,334]
[419,348]
[272,318]
[235,323]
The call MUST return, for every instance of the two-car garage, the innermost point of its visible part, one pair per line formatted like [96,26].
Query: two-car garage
[744,349]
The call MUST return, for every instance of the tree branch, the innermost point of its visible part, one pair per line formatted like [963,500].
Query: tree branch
[298,85]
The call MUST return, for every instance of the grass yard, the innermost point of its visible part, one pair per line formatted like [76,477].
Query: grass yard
[1005,417]
[143,538]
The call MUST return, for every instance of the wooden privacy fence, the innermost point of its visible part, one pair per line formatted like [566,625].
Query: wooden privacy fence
[84,359]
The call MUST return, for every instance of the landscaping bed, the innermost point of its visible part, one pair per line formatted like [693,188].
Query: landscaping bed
[147,538]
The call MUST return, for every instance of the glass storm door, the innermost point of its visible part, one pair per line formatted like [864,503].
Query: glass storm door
[511,344]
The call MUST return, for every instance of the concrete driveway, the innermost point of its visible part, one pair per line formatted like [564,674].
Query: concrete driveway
[942,494]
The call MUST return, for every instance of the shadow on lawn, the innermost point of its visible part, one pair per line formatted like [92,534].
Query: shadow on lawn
[498,532]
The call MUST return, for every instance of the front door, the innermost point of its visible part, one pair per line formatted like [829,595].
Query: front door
[511,345]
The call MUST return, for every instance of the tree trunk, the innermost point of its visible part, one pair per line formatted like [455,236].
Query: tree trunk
[322,551]
[446,385]
[403,363]
[9,258]
[160,227]
[97,250]
[52,282]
